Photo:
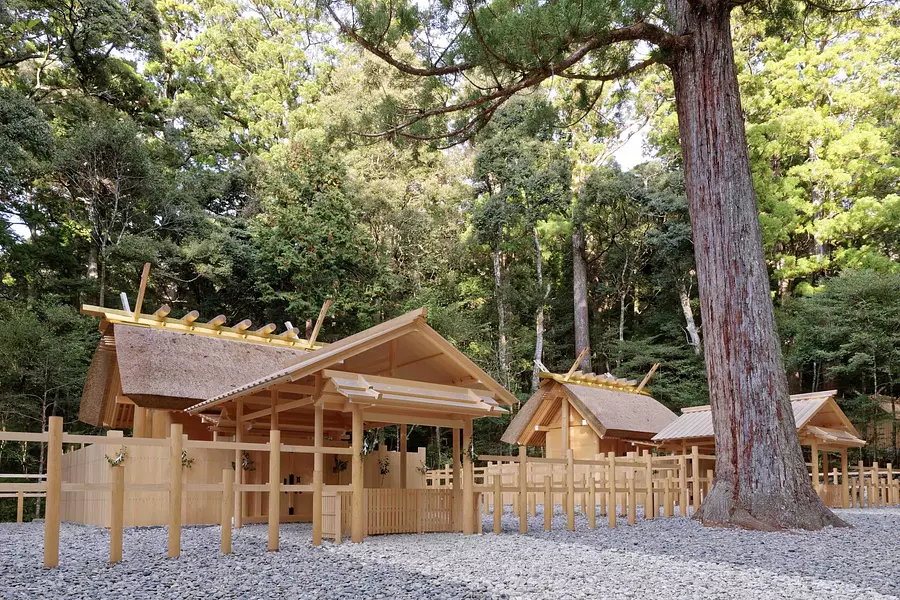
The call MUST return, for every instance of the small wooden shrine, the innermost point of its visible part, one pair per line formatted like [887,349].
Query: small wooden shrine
[591,414]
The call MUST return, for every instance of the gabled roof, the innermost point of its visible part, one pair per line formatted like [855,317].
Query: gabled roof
[165,369]
[605,408]
[696,421]
[426,346]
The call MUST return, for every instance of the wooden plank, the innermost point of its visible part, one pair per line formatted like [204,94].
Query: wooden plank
[175,491]
[468,481]
[318,475]
[611,501]
[116,514]
[227,507]
[570,490]
[274,491]
[357,476]
[142,289]
[54,493]
[20,506]
[592,502]
[548,502]
[498,502]
[523,490]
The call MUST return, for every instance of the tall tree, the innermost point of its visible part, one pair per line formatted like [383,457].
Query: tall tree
[761,480]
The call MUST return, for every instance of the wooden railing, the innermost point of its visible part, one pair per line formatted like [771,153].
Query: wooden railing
[53,486]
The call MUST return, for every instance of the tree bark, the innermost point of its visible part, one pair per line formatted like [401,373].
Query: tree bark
[690,325]
[761,480]
[539,316]
[580,293]
[501,319]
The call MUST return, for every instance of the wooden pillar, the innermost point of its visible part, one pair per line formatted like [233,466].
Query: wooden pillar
[403,459]
[523,489]
[239,475]
[227,508]
[274,488]
[632,496]
[498,504]
[814,462]
[570,489]
[20,506]
[876,499]
[356,510]
[548,502]
[890,489]
[467,479]
[456,498]
[116,514]
[54,492]
[139,430]
[175,447]
[319,473]
[845,487]
[861,478]
[273,418]
[668,497]
[682,484]
[592,501]
[649,504]
[611,489]
[564,426]
[695,475]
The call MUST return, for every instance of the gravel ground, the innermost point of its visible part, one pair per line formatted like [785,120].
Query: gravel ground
[664,558]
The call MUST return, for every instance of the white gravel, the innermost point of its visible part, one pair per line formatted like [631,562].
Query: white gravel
[665,558]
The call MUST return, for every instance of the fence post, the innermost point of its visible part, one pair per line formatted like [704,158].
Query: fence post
[649,505]
[695,478]
[669,509]
[570,489]
[117,514]
[592,502]
[523,490]
[682,483]
[632,497]
[274,487]
[227,508]
[468,480]
[498,502]
[890,484]
[176,445]
[54,491]
[20,506]
[487,470]
[611,505]
[548,502]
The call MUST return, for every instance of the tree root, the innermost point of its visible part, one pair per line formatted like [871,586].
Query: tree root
[766,512]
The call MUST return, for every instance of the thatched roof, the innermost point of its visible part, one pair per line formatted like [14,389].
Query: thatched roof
[423,355]
[615,411]
[817,409]
[173,370]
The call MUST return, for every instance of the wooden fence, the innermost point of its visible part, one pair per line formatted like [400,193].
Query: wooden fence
[53,487]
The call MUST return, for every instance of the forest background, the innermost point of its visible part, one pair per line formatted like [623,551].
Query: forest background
[230,144]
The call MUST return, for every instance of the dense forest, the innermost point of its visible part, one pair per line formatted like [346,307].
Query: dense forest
[235,145]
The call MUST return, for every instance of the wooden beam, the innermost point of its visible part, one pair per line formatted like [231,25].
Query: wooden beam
[357,502]
[577,362]
[647,377]
[467,479]
[274,488]
[190,317]
[145,275]
[265,412]
[318,477]
[162,312]
[217,321]
[322,314]
[243,325]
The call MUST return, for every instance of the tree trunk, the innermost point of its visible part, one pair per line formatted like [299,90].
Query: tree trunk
[690,325]
[101,301]
[580,293]
[501,320]
[539,316]
[761,480]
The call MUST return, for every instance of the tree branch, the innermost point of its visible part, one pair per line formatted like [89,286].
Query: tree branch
[398,64]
